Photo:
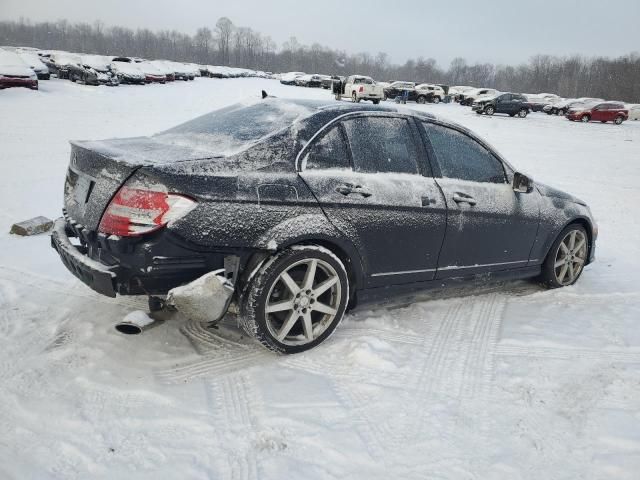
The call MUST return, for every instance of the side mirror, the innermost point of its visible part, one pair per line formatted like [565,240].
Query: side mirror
[522,183]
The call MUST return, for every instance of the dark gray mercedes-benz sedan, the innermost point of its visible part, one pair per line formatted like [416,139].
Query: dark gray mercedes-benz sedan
[304,209]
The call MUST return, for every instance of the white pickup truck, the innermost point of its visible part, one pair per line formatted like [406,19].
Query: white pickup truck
[359,87]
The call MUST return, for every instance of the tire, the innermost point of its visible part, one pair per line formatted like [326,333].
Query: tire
[618,120]
[375,102]
[552,275]
[490,110]
[421,100]
[523,113]
[560,112]
[338,96]
[512,114]
[354,97]
[585,119]
[603,121]
[436,99]
[280,283]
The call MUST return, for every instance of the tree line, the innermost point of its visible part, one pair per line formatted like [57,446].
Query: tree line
[231,45]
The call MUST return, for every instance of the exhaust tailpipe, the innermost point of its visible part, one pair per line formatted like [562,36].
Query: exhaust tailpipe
[135,323]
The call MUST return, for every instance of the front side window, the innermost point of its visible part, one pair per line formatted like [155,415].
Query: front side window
[461,157]
[381,144]
[329,151]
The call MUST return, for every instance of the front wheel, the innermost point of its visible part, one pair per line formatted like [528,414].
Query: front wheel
[421,100]
[585,119]
[566,258]
[436,99]
[523,113]
[489,110]
[296,300]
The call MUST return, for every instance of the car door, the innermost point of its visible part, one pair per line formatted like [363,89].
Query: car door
[490,227]
[503,103]
[599,113]
[380,194]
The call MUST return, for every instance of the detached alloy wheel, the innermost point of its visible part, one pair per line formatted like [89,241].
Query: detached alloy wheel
[567,257]
[296,300]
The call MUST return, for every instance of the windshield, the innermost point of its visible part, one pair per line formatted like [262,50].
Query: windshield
[232,129]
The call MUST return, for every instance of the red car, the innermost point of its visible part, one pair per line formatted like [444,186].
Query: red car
[603,112]
[15,73]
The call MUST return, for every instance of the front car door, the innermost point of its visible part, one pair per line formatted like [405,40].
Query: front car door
[503,103]
[489,227]
[381,194]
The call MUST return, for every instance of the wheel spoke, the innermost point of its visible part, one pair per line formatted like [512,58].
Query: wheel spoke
[280,306]
[289,282]
[307,325]
[310,276]
[321,307]
[579,245]
[572,240]
[563,273]
[564,248]
[324,286]
[578,260]
[288,325]
[572,274]
[559,263]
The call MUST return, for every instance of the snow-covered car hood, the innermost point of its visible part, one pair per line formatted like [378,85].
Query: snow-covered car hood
[17,71]
[547,191]
[127,69]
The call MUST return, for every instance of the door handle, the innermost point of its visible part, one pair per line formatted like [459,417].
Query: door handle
[463,198]
[349,188]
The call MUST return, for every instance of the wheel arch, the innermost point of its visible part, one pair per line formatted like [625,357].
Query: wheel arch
[583,221]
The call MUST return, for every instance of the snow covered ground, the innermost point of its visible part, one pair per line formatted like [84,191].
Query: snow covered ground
[499,382]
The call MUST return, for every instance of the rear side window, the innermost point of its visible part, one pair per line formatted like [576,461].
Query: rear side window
[381,144]
[459,156]
[330,151]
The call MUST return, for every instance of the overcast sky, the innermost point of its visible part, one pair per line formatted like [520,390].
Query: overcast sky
[500,31]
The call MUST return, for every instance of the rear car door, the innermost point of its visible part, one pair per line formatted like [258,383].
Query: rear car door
[372,178]
[503,103]
[490,227]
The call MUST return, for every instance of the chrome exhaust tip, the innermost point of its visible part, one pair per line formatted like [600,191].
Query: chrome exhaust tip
[135,323]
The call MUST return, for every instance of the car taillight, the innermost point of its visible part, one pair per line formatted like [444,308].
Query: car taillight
[140,209]
[361,89]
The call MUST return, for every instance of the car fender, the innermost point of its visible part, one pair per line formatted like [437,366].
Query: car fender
[308,228]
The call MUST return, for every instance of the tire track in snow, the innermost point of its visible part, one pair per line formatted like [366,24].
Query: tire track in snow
[559,353]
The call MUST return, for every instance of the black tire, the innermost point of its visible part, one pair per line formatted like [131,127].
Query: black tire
[560,112]
[618,120]
[585,119]
[523,113]
[512,114]
[264,283]
[548,276]
[436,99]
[375,102]
[421,100]
[490,110]
[354,97]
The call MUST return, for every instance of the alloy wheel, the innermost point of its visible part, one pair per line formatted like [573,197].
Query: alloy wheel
[570,257]
[303,301]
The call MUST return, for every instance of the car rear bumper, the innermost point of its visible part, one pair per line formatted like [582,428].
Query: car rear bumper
[95,275]
[6,82]
[137,265]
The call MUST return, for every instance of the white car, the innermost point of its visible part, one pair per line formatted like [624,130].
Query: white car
[128,72]
[33,60]
[426,92]
[468,97]
[634,112]
[360,87]
[290,78]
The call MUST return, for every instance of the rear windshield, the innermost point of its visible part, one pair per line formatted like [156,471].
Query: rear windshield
[235,128]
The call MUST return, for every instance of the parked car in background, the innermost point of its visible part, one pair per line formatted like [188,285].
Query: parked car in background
[399,88]
[15,73]
[426,92]
[152,74]
[309,81]
[603,112]
[456,91]
[361,204]
[359,87]
[537,103]
[562,106]
[290,78]
[128,72]
[327,83]
[511,104]
[101,66]
[467,98]
[33,61]
[634,112]
[167,70]
[61,63]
